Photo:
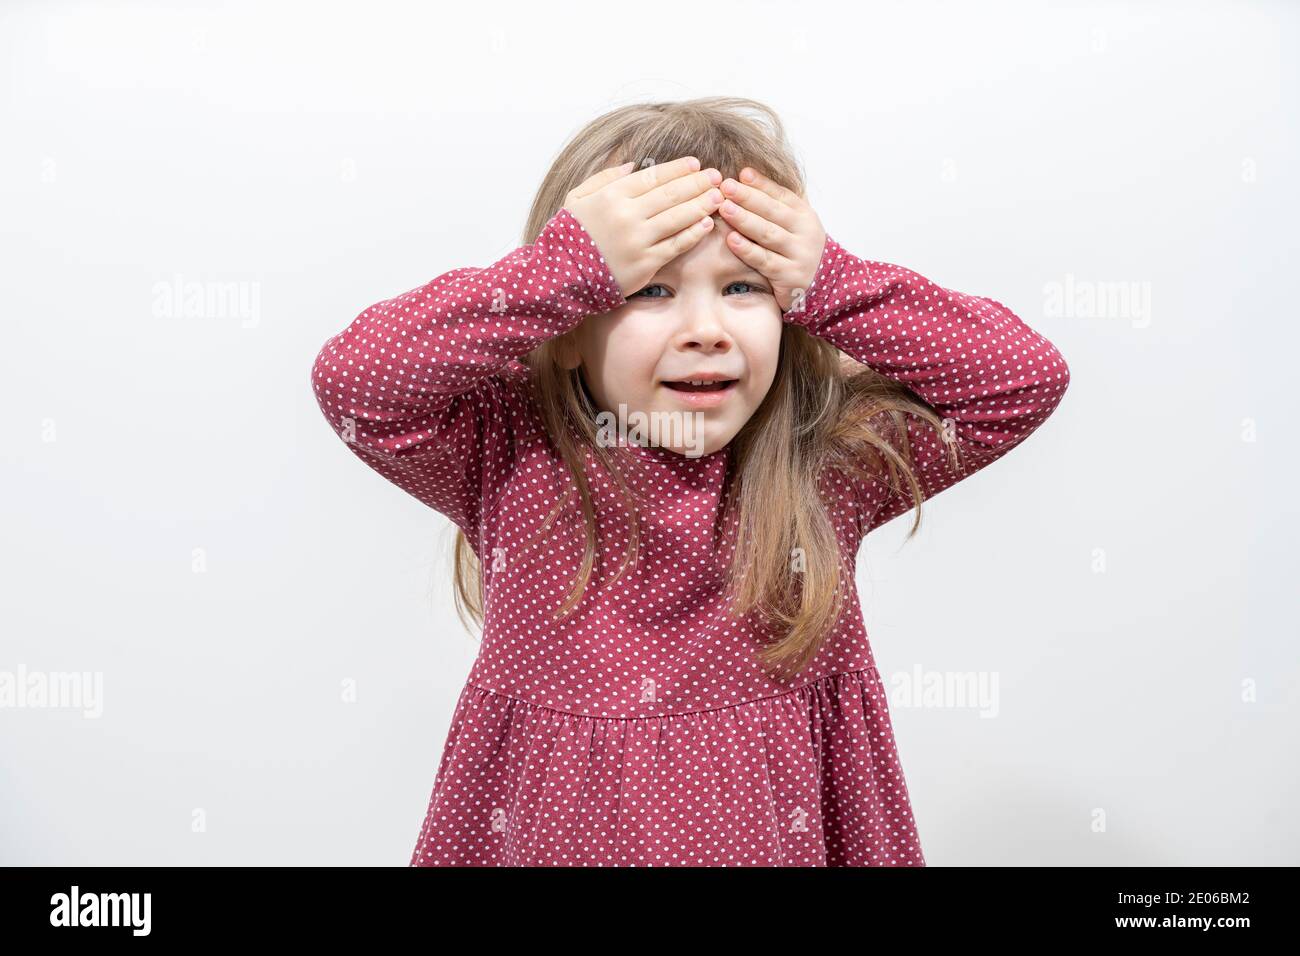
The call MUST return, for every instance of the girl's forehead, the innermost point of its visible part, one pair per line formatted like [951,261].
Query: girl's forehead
[710,255]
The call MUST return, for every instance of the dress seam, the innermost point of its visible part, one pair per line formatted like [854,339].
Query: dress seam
[683,713]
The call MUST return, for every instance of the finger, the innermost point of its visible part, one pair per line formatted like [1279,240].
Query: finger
[755,227]
[757,201]
[678,217]
[681,216]
[677,191]
[751,176]
[643,180]
[602,179]
[760,259]
[666,250]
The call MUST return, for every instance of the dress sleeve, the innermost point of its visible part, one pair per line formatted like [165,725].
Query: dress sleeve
[991,377]
[425,387]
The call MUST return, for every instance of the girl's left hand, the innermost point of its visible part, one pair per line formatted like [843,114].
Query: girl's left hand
[775,233]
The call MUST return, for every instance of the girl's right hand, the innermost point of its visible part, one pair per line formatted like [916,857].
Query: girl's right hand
[641,220]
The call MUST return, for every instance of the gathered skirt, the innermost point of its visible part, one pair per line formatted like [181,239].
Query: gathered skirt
[808,777]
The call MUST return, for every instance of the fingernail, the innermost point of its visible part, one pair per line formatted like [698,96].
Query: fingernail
[693,162]
[715,177]
[714,196]
[747,175]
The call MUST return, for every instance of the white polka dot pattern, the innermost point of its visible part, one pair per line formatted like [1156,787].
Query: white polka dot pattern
[639,730]
[971,358]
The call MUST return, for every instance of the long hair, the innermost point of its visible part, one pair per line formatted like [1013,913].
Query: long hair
[823,409]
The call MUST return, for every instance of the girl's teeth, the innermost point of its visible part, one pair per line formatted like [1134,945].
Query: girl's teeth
[702,384]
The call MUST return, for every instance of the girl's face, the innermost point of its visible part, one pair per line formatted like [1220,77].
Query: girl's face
[705,315]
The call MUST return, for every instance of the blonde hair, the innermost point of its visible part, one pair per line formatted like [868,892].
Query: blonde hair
[822,410]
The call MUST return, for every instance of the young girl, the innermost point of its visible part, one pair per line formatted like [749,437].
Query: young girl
[674,668]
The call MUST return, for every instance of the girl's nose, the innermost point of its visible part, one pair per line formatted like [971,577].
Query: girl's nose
[712,339]
[703,331]
[717,345]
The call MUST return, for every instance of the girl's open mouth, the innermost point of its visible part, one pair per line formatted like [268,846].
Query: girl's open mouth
[703,393]
[688,386]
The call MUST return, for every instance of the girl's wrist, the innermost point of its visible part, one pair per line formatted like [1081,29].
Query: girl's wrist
[808,306]
[565,234]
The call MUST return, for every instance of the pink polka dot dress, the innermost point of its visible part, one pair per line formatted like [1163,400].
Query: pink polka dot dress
[639,730]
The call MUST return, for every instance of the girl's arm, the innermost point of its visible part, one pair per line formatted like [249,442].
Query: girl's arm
[413,385]
[970,358]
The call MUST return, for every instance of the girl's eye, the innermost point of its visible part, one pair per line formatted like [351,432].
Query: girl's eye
[646,289]
[750,285]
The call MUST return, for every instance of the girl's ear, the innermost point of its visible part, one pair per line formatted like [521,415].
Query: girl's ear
[566,352]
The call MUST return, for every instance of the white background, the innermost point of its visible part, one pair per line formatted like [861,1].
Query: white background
[1124,574]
